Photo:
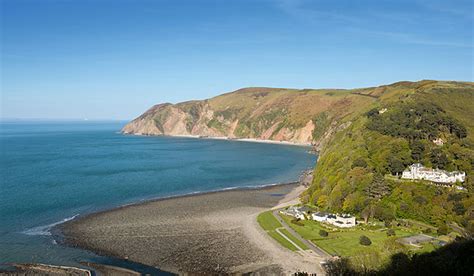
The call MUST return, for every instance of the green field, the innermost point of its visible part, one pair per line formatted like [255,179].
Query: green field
[345,242]
[281,240]
[269,223]
[295,240]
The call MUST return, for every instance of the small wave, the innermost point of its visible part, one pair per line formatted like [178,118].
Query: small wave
[44,230]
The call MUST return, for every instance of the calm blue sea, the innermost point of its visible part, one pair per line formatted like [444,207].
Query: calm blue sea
[53,171]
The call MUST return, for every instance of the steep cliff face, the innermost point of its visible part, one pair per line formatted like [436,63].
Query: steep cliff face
[298,116]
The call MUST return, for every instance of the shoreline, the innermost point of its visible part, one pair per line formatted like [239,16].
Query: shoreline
[55,225]
[250,140]
[222,223]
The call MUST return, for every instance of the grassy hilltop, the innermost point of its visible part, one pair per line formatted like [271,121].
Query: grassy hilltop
[365,136]
[300,116]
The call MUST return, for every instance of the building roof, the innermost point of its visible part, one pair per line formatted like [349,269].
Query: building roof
[304,209]
[321,214]
[346,216]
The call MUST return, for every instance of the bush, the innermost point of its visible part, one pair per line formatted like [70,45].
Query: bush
[323,233]
[443,230]
[364,240]
[359,162]
[297,222]
[426,231]
[459,208]
[390,232]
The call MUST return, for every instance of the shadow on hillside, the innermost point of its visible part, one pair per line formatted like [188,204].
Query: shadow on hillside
[456,258]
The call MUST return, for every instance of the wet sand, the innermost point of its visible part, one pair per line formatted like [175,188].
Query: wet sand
[206,233]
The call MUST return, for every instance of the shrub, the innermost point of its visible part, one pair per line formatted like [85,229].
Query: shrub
[297,222]
[364,240]
[359,162]
[443,230]
[390,232]
[426,231]
[323,233]
[459,208]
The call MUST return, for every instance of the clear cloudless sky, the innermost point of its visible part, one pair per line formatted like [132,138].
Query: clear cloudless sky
[113,59]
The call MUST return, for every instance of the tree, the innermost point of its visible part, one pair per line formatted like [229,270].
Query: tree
[340,266]
[395,165]
[359,162]
[364,240]
[373,112]
[367,213]
[443,230]
[384,213]
[378,188]
[459,208]
[390,232]
[417,149]
[322,200]
[438,159]
[323,233]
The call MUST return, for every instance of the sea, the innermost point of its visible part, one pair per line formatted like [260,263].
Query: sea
[55,171]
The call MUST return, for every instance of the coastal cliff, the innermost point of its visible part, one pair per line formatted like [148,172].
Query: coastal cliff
[297,116]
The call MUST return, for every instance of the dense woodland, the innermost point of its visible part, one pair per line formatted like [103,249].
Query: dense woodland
[358,172]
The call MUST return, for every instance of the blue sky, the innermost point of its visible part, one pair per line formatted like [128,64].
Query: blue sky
[107,59]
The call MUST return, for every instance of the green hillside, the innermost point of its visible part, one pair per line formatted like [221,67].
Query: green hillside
[366,138]
[357,170]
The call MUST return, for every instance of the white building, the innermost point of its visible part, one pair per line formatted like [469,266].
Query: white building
[344,220]
[319,216]
[295,212]
[418,171]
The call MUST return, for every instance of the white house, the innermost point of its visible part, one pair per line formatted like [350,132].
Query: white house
[344,220]
[319,216]
[418,171]
[295,212]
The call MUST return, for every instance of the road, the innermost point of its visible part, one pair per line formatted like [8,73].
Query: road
[288,239]
[309,244]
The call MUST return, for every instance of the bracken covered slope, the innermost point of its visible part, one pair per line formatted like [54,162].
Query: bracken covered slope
[299,116]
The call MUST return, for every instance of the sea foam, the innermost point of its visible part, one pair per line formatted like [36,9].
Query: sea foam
[44,230]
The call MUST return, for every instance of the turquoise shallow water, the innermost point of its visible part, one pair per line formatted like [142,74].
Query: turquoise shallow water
[53,171]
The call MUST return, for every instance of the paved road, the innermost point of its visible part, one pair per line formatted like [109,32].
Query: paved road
[309,244]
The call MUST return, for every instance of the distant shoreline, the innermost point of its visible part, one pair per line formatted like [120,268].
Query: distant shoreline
[252,140]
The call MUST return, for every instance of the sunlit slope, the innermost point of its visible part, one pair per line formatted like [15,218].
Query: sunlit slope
[357,170]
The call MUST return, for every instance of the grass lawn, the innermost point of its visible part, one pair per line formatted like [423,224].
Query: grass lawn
[269,223]
[344,242]
[295,240]
[281,240]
